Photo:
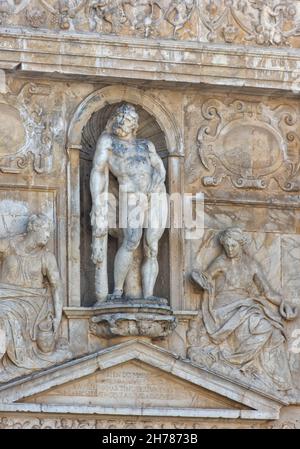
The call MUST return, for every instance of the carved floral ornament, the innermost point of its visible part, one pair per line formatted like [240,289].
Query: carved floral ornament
[261,22]
[250,144]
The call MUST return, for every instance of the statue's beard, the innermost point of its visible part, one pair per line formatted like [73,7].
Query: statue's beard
[121,131]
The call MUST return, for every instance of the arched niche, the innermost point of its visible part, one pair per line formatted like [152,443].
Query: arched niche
[159,126]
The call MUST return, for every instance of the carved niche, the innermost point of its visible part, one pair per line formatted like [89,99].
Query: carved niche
[250,143]
[26,130]
[148,129]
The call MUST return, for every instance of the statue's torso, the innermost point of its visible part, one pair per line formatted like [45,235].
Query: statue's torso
[24,270]
[130,164]
[235,282]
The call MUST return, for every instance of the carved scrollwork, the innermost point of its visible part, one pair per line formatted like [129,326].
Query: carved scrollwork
[249,143]
[29,133]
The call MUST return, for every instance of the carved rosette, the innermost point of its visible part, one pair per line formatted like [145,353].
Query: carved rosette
[249,143]
[133,319]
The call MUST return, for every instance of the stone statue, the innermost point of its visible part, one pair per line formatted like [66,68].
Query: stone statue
[31,300]
[141,175]
[242,315]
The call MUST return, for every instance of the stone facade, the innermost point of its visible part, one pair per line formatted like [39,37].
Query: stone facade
[190,324]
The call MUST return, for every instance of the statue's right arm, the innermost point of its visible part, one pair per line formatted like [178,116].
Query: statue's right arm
[205,279]
[99,186]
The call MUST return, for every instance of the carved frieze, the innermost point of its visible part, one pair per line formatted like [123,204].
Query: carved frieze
[258,22]
[250,143]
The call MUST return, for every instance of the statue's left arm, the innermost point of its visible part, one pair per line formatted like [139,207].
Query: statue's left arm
[159,171]
[286,311]
[53,276]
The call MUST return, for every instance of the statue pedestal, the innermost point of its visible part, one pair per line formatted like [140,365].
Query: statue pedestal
[133,318]
[114,321]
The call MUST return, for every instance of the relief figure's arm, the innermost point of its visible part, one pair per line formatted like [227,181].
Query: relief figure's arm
[54,279]
[264,287]
[287,311]
[206,279]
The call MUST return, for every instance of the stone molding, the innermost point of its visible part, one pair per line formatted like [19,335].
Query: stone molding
[112,57]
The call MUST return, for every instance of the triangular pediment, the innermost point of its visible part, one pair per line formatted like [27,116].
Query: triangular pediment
[134,384]
[135,378]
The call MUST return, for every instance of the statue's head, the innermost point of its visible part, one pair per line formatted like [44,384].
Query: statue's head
[125,121]
[233,241]
[40,227]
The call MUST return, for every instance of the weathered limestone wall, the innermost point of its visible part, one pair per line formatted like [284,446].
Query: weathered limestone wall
[216,87]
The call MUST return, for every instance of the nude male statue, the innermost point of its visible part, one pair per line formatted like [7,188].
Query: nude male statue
[140,172]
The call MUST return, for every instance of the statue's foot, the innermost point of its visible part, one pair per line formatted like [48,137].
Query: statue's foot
[116,295]
[156,299]
[100,302]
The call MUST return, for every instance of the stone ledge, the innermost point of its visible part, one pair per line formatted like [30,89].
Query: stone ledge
[137,411]
[118,58]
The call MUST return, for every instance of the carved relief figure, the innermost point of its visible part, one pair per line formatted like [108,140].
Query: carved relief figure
[106,11]
[5,10]
[30,300]
[265,22]
[141,174]
[269,28]
[242,315]
[144,15]
[179,13]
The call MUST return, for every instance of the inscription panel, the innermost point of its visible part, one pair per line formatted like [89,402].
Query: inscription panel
[133,385]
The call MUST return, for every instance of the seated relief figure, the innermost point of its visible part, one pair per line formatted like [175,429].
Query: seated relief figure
[141,176]
[242,315]
[30,302]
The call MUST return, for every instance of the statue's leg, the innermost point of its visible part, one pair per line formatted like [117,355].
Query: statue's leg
[124,258]
[150,266]
[157,218]
[133,282]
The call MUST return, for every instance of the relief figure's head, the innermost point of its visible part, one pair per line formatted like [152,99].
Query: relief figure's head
[125,121]
[233,240]
[39,228]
